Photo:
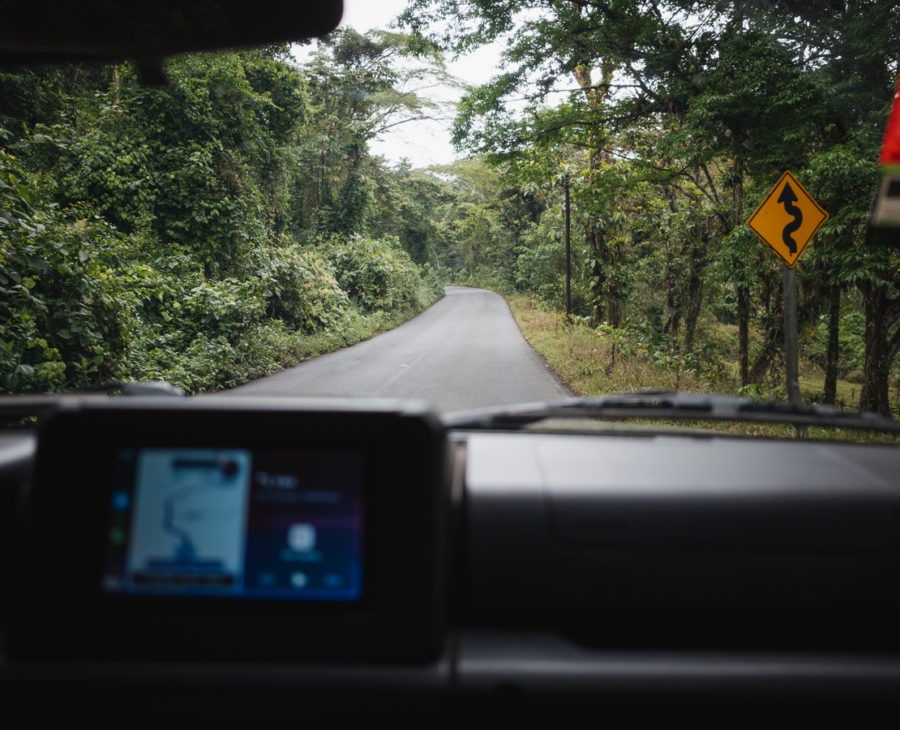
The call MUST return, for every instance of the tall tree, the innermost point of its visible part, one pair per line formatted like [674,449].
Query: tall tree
[361,85]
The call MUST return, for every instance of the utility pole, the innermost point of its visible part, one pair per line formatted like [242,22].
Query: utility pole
[568,250]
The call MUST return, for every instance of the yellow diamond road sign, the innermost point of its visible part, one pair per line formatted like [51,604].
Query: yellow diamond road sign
[787,219]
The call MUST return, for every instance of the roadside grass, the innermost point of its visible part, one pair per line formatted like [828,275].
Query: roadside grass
[356,327]
[591,361]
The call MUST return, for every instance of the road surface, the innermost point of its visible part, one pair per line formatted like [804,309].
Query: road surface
[466,351]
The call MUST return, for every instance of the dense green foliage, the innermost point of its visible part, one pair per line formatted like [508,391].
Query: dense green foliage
[670,120]
[176,233]
[233,221]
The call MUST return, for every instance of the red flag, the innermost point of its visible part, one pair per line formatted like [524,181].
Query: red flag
[890,147]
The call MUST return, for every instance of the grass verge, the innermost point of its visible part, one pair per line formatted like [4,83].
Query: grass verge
[595,361]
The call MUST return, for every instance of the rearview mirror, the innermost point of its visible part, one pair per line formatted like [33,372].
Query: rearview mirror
[36,31]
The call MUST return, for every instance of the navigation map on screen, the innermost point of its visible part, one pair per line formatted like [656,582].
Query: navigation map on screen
[237,522]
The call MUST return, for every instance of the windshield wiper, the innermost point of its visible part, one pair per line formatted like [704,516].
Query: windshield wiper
[14,408]
[670,405]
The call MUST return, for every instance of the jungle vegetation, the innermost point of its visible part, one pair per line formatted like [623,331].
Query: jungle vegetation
[234,220]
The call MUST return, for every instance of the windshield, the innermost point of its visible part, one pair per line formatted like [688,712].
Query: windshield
[472,204]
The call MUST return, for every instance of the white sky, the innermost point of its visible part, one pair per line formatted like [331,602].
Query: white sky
[423,143]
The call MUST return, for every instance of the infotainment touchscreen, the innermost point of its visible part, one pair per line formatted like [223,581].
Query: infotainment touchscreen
[236,523]
[216,527]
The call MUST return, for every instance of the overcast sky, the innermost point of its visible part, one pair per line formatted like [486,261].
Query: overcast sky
[426,142]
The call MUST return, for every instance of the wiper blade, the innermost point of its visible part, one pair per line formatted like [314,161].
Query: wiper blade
[15,407]
[646,404]
[670,405]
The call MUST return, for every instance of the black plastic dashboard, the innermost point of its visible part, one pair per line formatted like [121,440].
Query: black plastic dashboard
[351,561]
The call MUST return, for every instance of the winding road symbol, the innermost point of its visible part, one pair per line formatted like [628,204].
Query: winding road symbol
[787,219]
[788,198]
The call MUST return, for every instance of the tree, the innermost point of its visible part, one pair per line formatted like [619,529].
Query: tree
[690,110]
[361,85]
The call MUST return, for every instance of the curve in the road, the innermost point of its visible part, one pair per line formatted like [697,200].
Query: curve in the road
[466,351]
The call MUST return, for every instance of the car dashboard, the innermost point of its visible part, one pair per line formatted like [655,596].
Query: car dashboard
[266,560]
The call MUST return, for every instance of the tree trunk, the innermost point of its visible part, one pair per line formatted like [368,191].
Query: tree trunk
[743,291]
[772,350]
[764,362]
[672,324]
[613,293]
[831,357]
[882,313]
[604,290]
[598,279]
[698,261]
[743,315]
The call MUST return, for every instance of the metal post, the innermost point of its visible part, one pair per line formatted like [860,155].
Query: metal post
[791,357]
[789,284]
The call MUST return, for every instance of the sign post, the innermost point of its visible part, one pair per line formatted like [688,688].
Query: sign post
[791,354]
[786,221]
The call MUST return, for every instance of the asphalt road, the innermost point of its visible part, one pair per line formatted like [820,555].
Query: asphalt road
[466,351]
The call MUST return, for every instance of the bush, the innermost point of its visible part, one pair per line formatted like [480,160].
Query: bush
[377,274]
[300,289]
[852,338]
[65,307]
[212,363]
